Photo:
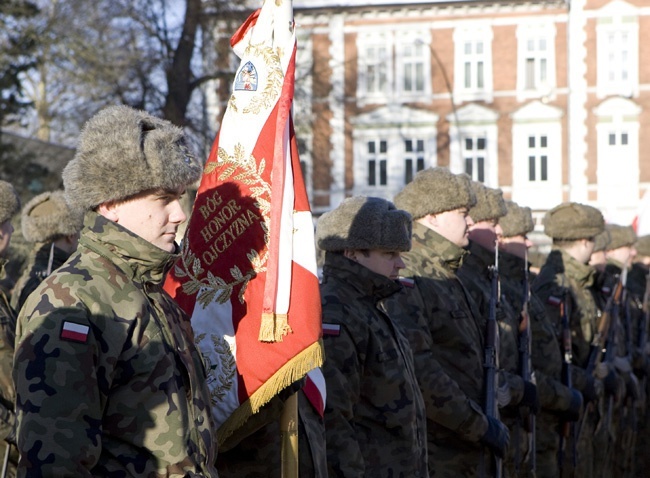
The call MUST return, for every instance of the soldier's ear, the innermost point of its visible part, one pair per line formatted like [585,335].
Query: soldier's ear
[109,211]
[350,254]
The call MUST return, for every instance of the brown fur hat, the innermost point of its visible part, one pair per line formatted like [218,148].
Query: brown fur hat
[602,241]
[9,201]
[122,152]
[573,221]
[489,205]
[518,220]
[364,223]
[642,245]
[620,236]
[47,216]
[436,190]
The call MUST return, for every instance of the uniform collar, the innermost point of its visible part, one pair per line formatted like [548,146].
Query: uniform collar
[448,252]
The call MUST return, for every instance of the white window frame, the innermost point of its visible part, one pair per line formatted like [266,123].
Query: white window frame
[617,171]
[472,34]
[530,38]
[374,40]
[535,120]
[621,55]
[474,121]
[414,40]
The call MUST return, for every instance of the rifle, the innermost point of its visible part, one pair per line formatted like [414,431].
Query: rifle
[566,428]
[525,345]
[491,361]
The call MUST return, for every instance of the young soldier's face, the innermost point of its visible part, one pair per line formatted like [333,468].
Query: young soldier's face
[385,263]
[454,226]
[6,230]
[152,215]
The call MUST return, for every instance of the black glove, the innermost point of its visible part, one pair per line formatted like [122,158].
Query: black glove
[530,398]
[610,383]
[572,414]
[590,392]
[497,437]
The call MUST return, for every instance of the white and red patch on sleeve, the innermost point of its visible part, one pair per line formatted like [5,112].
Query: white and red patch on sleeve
[74,332]
[555,301]
[333,330]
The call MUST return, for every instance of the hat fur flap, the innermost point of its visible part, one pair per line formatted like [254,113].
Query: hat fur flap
[490,204]
[518,220]
[573,221]
[47,216]
[9,201]
[436,190]
[620,236]
[642,245]
[601,241]
[364,223]
[122,152]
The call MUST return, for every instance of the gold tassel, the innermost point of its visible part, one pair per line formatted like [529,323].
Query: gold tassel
[267,328]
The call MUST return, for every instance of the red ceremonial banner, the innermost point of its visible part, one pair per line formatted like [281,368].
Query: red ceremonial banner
[247,272]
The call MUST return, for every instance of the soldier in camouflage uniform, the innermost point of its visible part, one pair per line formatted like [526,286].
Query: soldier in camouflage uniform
[619,254]
[476,276]
[108,380]
[374,416]
[558,402]
[51,226]
[9,205]
[567,278]
[445,329]
[637,281]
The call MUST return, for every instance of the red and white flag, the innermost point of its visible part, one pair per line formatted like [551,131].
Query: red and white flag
[247,274]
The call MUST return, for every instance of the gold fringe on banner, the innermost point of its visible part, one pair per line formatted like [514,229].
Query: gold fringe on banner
[273,327]
[294,370]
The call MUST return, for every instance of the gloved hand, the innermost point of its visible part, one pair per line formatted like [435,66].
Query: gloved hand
[530,398]
[592,390]
[572,414]
[497,437]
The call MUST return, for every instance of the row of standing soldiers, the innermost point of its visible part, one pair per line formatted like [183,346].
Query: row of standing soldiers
[419,382]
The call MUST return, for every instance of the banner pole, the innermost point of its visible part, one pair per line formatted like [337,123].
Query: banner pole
[289,437]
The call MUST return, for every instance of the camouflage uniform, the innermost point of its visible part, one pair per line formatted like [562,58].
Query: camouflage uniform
[254,450]
[475,275]
[123,396]
[374,416]
[7,394]
[446,335]
[36,271]
[554,397]
[562,276]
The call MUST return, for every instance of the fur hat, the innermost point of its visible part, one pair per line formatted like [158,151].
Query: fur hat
[123,151]
[490,204]
[518,220]
[602,241]
[642,245]
[573,221]
[9,201]
[364,223]
[47,216]
[436,190]
[620,236]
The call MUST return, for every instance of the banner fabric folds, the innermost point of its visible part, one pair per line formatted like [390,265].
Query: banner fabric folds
[247,273]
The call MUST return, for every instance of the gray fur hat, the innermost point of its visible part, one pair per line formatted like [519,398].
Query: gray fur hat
[518,220]
[620,236]
[489,203]
[573,221]
[9,201]
[436,190]
[642,245]
[364,223]
[602,241]
[122,152]
[47,216]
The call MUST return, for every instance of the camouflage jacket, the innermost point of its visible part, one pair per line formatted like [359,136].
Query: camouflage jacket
[107,378]
[7,337]
[636,284]
[446,336]
[374,416]
[475,276]
[545,350]
[564,278]
[36,271]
